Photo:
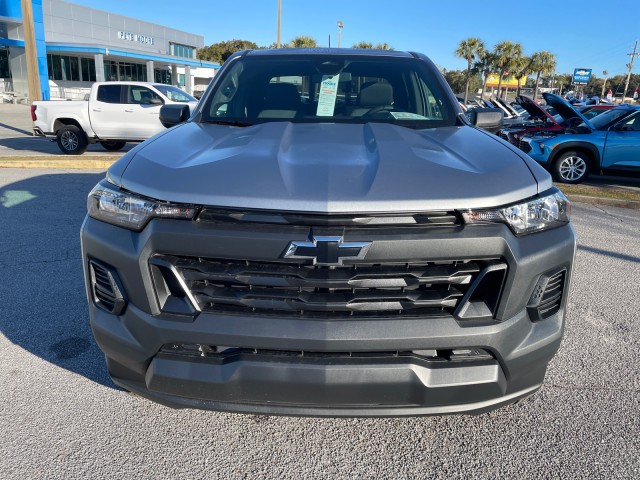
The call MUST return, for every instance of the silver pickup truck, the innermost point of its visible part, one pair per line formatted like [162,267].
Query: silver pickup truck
[114,113]
[328,234]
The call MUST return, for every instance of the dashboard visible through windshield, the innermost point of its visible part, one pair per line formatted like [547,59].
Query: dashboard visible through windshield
[328,88]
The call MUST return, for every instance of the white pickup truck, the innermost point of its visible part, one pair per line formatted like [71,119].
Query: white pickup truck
[115,113]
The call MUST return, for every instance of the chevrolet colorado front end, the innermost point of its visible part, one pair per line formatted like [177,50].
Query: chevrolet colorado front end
[328,235]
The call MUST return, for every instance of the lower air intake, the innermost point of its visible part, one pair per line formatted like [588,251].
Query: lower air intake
[107,291]
[546,298]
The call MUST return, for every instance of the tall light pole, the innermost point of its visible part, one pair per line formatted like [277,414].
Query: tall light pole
[340,27]
[278,44]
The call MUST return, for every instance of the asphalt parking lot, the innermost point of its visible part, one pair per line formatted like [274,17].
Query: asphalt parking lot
[62,417]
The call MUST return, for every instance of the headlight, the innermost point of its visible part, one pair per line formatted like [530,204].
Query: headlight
[109,204]
[549,211]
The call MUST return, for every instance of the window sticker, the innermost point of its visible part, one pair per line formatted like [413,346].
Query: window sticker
[327,98]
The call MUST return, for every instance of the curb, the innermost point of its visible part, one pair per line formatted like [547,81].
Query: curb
[612,202]
[50,161]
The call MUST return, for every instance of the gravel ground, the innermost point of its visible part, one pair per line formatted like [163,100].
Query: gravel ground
[62,417]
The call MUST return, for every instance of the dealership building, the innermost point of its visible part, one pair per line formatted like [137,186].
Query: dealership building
[77,46]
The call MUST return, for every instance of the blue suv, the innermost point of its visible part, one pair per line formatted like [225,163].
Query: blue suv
[610,141]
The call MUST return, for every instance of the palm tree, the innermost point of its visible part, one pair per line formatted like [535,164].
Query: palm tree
[363,45]
[484,67]
[470,49]
[383,46]
[505,59]
[522,69]
[303,41]
[542,63]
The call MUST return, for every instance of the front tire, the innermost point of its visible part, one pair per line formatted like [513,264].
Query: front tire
[112,145]
[571,167]
[72,140]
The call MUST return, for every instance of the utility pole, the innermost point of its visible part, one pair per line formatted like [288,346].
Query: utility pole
[606,75]
[31,54]
[630,66]
[278,44]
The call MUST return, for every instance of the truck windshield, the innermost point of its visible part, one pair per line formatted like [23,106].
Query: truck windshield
[329,88]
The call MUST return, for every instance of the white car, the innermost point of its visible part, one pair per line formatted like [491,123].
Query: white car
[115,113]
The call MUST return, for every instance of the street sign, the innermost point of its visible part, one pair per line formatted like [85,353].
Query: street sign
[581,76]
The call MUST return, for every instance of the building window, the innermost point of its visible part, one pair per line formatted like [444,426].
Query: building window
[162,76]
[5,72]
[88,69]
[63,67]
[132,72]
[178,50]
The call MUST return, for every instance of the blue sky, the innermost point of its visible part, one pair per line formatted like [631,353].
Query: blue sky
[581,34]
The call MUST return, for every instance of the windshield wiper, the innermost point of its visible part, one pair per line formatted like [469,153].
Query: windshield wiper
[233,123]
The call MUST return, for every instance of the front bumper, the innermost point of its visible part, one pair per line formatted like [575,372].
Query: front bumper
[319,367]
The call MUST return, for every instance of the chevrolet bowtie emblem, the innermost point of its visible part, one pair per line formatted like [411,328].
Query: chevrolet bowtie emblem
[327,250]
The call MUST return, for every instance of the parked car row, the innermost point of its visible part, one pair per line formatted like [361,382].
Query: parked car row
[578,140]
[609,141]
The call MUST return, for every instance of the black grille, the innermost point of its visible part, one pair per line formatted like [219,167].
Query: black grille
[524,146]
[547,296]
[503,135]
[290,289]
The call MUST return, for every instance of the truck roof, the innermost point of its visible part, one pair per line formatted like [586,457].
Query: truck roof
[364,52]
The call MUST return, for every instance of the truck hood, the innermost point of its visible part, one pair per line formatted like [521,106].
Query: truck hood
[330,168]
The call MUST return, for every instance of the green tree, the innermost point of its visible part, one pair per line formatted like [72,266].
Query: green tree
[522,68]
[542,63]
[302,41]
[363,45]
[459,81]
[219,52]
[379,46]
[484,67]
[505,57]
[470,49]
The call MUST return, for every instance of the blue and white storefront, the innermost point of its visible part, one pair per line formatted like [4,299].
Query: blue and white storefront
[77,46]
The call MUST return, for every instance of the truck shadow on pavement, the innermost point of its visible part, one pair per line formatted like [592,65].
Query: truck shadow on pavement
[43,146]
[15,129]
[607,253]
[42,297]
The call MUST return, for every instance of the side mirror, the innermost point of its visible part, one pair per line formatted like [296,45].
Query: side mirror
[489,119]
[172,115]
